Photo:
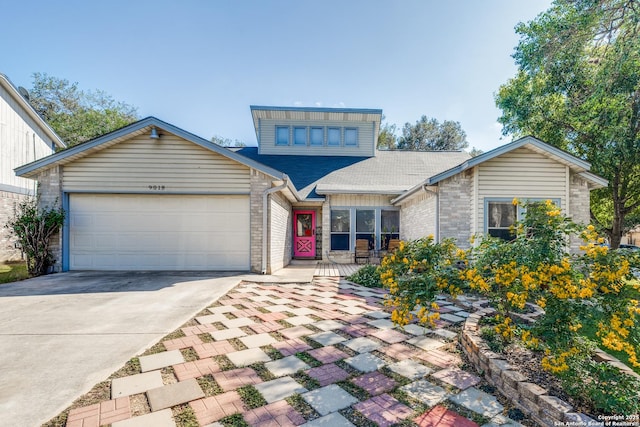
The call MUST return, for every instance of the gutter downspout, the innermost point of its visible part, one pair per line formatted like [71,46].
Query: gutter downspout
[265,213]
[437,194]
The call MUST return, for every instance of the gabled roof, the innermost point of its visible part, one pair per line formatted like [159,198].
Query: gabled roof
[259,112]
[304,171]
[138,128]
[389,172]
[24,104]
[577,165]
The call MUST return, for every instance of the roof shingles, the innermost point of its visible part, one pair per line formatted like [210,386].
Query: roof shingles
[389,172]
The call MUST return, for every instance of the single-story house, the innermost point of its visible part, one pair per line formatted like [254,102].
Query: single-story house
[24,137]
[152,196]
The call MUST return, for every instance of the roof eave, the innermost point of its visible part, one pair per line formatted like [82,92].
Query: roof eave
[30,169]
[48,130]
[579,164]
[357,191]
[410,192]
[317,109]
[595,180]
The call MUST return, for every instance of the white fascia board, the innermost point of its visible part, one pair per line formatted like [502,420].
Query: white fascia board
[568,158]
[79,149]
[13,91]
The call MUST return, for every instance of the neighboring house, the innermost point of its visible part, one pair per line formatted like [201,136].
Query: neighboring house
[152,196]
[632,237]
[24,137]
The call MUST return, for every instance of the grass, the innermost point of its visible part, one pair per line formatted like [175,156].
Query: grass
[13,271]
[590,333]
[251,397]
[234,420]
[184,416]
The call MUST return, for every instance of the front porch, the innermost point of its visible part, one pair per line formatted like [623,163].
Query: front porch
[327,269]
[320,268]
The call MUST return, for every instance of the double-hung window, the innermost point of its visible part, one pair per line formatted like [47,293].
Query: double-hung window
[366,226]
[501,216]
[340,229]
[390,227]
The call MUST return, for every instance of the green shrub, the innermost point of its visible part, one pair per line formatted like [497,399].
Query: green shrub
[34,226]
[368,276]
[601,386]
[495,341]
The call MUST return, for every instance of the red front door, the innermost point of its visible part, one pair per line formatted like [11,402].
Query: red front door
[304,234]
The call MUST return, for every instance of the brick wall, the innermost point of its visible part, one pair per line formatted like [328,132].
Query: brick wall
[50,193]
[579,205]
[8,203]
[280,232]
[456,197]
[418,216]
[259,183]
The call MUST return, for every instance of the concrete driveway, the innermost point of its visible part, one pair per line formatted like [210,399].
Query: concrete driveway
[63,333]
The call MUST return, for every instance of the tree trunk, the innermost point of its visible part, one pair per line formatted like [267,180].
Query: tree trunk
[617,224]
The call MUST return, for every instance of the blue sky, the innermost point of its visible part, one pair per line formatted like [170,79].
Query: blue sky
[200,64]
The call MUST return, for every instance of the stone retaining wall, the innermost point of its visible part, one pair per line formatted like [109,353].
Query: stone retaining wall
[532,399]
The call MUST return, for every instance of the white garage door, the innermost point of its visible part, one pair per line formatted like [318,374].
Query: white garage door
[164,232]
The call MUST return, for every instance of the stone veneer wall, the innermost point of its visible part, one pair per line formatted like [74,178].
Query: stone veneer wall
[8,203]
[418,216]
[456,198]
[50,193]
[529,397]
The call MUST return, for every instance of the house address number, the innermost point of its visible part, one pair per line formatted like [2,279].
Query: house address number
[156,187]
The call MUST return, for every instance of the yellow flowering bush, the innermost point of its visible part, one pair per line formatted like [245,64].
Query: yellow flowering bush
[589,298]
[593,290]
[415,273]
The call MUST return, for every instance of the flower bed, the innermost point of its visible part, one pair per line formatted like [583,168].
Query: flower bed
[531,398]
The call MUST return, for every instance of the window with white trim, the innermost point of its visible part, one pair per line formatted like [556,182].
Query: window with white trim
[501,216]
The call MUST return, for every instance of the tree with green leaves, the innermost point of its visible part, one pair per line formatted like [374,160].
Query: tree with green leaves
[578,88]
[227,142]
[429,134]
[387,139]
[77,115]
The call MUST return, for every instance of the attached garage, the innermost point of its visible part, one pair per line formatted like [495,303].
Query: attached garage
[158,232]
[151,196]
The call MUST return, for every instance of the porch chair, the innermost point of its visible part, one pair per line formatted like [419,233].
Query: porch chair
[394,244]
[362,250]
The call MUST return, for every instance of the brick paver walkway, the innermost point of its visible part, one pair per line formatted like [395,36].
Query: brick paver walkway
[255,322]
